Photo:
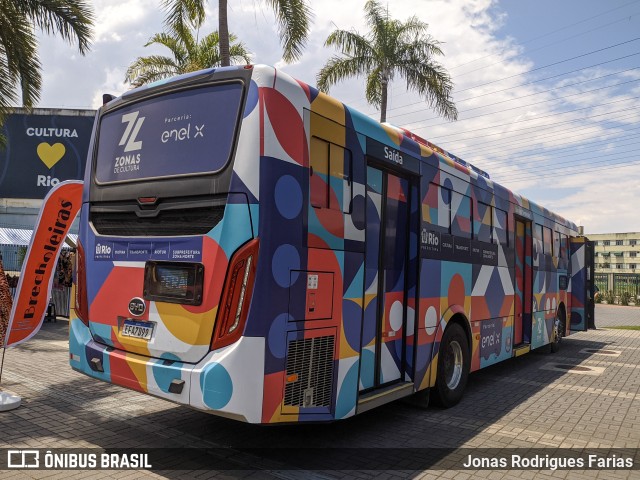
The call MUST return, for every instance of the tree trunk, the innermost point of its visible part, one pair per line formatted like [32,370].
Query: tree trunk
[223,32]
[5,303]
[383,102]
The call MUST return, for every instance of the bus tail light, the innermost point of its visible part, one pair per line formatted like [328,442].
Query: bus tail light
[81,301]
[236,296]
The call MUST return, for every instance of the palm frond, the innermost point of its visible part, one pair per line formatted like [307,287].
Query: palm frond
[413,28]
[209,50]
[150,69]
[294,20]
[375,15]
[338,68]
[373,91]
[350,43]
[71,19]
[181,14]
[238,51]
[187,56]
[173,43]
[432,82]
[19,48]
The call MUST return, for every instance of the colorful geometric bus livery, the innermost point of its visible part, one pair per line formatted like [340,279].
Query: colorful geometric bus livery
[258,250]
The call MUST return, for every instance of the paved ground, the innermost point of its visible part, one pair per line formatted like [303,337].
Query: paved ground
[522,403]
[616,315]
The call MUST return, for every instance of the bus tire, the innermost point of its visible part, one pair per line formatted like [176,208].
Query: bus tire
[558,331]
[454,362]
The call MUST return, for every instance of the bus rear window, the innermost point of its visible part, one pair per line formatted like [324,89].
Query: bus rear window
[182,133]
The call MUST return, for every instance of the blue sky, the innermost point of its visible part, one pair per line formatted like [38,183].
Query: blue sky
[562,131]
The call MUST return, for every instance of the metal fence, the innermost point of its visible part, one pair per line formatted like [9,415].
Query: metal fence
[12,259]
[61,297]
[602,281]
[626,283]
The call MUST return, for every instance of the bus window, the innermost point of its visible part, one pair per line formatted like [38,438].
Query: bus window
[340,178]
[330,176]
[564,246]
[158,144]
[461,215]
[556,244]
[500,230]
[319,170]
[482,223]
[444,210]
[537,238]
[546,240]
[436,208]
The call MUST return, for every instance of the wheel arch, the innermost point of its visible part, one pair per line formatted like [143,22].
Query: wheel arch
[561,312]
[454,314]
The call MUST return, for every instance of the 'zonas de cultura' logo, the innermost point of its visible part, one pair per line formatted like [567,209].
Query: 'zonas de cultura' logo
[130,162]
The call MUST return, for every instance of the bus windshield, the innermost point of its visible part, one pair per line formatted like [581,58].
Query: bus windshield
[181,133]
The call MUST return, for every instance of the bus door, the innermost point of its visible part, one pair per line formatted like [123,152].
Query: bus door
[386,263]
[581,283]
[590,259]
[523,283]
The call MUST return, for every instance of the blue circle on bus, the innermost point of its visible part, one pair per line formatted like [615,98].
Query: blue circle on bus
[216,386]
[358,209]
[278,334]
[285,259]
[351,315]
[166,370]
[288,197]
[252,99]
[347,396]
[367,368]
[448,185]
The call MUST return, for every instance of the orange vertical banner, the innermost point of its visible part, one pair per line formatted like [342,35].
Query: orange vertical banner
[58,212]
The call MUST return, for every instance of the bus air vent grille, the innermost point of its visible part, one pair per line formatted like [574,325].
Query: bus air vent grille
[188,221]
[310,366]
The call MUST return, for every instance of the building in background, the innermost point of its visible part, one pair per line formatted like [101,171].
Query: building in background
[617,262]
[44,147]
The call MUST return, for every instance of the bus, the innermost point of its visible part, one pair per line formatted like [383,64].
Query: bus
[251,247]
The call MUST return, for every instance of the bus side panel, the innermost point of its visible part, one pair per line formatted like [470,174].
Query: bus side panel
[461,275]
[297,303]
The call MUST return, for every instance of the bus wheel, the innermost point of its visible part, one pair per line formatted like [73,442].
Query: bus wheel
[453,366]
[558,331]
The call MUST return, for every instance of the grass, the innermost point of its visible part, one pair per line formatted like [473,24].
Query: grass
[627,327]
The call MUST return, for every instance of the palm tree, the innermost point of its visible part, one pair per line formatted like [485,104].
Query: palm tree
[188,55]
[392,47]
[293,16]
[19,65]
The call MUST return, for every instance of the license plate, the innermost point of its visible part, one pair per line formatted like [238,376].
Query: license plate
[132,328]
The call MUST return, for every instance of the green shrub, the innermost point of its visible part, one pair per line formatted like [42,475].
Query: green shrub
[625,297]
[609,297]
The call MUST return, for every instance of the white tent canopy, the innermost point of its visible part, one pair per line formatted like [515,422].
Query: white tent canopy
[22,236]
